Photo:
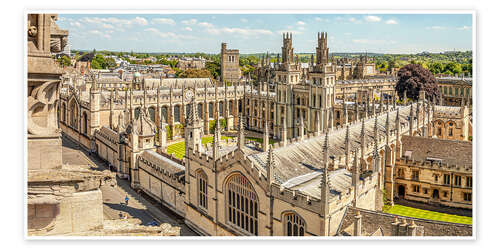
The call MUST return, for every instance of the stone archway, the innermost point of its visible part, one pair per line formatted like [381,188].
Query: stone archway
[401,191]
[435,194]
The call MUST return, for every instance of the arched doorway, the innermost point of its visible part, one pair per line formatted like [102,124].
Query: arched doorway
[401,191]
[435,194]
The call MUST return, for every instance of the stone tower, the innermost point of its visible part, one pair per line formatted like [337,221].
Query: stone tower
[229,64]
[193,128]
[44,78]
[322,49]
[287,49]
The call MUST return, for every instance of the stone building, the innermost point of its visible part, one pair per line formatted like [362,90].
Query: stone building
[229,64]
[334,153]
[435,171]
[453,123]
[456,91]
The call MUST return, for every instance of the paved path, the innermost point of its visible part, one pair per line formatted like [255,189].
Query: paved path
[142,208]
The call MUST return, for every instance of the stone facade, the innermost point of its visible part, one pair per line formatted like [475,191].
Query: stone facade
[229,64]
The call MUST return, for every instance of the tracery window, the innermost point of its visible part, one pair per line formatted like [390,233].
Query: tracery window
[84,126]
[177,113]
[136,112]
[202,180]
[211,110]
[152,115]
[200,110]
[242,205]
[164,113]
[294,225]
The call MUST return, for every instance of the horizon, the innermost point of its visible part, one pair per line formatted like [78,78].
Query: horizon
[260,33]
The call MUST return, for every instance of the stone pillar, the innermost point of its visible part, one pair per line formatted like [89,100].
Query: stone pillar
[357,224]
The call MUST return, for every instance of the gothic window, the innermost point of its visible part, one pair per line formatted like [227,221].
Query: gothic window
[136,112]
[294,225]
[446,179]
[84,126]
[468,181]
[188,109]
[177,113]
[456,91]
[242,205]
[164,113]
[221,109]
[151,112]
[230,106]
[211,110]
[200,110]
[467,92]
[467,196]
[461,91]
[416,189]
[63,112]
[202,180]
[458,180]
[414,175]
[239,106]
[73,115]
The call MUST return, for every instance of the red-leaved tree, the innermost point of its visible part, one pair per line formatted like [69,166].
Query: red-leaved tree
[413,78]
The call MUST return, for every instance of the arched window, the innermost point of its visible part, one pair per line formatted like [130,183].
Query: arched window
[202,180]
[84,125]
[242,205]
[200,110]
[63,112]
[230,108]
[211,110]
[294,225]
[73,115]
[164,113]
[177,113]
[151,112]
[221,109]
[137,111]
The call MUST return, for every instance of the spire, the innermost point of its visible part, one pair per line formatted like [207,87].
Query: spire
[215,145]
[270,166]
[387,127]
[265,140]
[355,178]
[325,181]
[363,138]
[284,132]
[375,148]
[301,128]
[347,147]
[241,132]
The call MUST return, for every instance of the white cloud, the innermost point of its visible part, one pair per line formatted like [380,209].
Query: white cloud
[301,23]
[188,29]
[163,21]
[167,34]
[239,31]
[354,20]
[372,41]
[372,19]
[206,25]
[100,33]
[189,22]
[464,28]
[116,22]
[244,20]
[391,21]
[319,19]
[294,32]
[75,24]
[436,28]
[140,21]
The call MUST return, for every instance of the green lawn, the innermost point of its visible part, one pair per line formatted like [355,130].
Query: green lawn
[179,151]
[426,214]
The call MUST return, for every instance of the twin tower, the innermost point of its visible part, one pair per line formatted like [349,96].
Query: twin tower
[321,51]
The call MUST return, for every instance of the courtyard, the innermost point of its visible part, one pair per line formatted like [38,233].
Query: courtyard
[426,214]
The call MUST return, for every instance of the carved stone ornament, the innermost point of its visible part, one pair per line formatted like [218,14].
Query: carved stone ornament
[42,102]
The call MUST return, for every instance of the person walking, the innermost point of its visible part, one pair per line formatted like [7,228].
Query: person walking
[126,200]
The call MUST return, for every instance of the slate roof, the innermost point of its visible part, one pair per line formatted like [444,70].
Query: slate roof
[450,152]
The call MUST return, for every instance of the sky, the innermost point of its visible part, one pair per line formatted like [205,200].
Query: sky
[257,33]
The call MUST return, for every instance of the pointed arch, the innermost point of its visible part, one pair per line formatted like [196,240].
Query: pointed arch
[242,203]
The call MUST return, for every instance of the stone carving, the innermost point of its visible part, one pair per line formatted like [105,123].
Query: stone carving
[42,103]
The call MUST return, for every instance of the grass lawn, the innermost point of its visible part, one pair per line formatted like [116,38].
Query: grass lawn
[426,214]
[179,151]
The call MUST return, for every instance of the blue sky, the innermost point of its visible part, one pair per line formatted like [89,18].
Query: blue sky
[253,33]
